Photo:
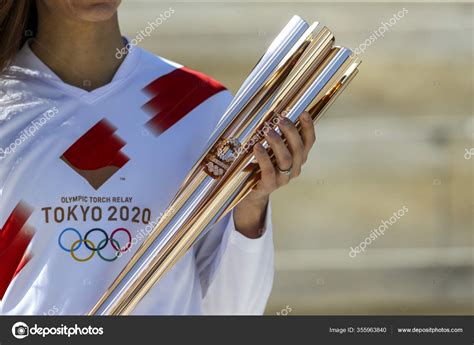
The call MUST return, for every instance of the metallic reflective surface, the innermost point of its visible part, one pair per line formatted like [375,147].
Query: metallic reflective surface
[301,70]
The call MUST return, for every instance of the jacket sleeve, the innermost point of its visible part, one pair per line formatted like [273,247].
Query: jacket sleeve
[236,272]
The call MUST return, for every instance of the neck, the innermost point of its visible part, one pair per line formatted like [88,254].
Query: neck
[81,53]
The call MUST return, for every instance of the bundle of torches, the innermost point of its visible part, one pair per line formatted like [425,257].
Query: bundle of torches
[302,70]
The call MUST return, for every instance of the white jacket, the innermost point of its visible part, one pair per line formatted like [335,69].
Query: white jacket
[104,164]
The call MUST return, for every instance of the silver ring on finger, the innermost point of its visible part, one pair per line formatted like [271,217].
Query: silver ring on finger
[285,171]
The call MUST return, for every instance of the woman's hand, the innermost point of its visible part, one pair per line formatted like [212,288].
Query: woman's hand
[249,214]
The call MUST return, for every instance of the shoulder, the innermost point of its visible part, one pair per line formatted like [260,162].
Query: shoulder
[171,74]
[174,92]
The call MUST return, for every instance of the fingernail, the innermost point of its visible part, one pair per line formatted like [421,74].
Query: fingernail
[285,121]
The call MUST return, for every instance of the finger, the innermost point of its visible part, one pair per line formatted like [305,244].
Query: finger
[295,144]
[268,173]
[307,133]
[284,158]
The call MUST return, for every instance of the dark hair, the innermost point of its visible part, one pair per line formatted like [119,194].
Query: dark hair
[18,22]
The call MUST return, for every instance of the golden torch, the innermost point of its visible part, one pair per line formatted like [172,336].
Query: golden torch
[301,70]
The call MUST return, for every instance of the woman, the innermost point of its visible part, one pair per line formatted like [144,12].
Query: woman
[93,147]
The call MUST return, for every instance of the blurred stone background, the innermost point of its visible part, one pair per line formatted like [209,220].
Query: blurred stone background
[396,137]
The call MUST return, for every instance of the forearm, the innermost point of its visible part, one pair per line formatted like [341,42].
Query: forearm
[249,216]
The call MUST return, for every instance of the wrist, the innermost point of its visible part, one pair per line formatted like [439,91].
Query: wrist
[256,201]
[249,216]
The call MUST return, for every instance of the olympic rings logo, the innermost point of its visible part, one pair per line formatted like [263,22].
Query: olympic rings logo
[76,244]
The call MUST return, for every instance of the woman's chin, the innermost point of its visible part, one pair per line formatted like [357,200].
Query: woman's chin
[94,11]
